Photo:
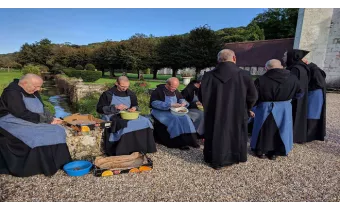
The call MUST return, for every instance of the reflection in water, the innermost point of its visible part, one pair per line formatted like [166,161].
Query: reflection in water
[60,102]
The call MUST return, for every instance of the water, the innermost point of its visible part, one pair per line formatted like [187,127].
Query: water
[60,102]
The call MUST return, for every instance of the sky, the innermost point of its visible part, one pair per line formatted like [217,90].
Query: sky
[84,26]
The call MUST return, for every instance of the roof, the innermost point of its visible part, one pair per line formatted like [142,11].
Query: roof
[257,53]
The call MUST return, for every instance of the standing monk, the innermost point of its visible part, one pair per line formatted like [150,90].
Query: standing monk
[294,63]
[227,94]
[273,125]
[316,119]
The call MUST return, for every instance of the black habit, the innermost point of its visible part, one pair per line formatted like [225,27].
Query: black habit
[161,133]
[17,158]
[136,141]
[301,70]
[227,94]
[274,85]
[317,128]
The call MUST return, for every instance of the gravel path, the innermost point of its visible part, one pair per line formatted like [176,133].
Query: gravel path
[311,172]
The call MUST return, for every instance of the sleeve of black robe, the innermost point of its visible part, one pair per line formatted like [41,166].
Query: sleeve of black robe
[16,106]
[319,78]
[252,95]
[104,104]
[257,86]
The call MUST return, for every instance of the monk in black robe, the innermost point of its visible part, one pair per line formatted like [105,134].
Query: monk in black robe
[227,94]
[273,129]
[124,136]
[316,120]
[294,63]
[32,141]
[190,94]
[171,130]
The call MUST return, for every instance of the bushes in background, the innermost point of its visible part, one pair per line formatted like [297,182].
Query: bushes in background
[31,69]
[79,67]
[87,76]
[90,67]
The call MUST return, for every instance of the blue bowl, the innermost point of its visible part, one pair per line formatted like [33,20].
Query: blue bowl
[78,168]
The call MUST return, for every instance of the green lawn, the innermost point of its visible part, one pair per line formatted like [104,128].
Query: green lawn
[7,77]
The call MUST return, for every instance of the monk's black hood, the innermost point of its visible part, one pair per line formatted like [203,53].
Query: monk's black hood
[278,75]
[225,71]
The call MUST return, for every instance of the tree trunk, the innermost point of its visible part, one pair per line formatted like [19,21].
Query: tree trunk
[103,73]
[112,73]
[174,72]
[7,68]
[154,74]
[138,74]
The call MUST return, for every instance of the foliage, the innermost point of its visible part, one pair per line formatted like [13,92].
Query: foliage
[79,67]
[87,76]
[90,67]
[57,68]
[278,23]
[88,104]
[187,73]
[48,105]
[202,47]
[31,69]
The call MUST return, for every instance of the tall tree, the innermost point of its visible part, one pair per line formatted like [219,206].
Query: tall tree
[171,52]
[202,47]
[278,23]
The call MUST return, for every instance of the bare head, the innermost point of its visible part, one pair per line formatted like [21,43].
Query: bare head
[31,83]
[273,64]
[123,83]
[226,55]
[172,84]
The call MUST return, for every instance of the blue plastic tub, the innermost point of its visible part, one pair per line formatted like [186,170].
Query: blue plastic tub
[78,168]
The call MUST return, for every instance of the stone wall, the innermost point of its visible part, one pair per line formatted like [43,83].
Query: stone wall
[318,30]
[75,88]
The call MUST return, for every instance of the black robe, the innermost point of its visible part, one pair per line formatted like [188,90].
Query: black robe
[227,94]
[189,93]
[274,85]
[18,159]
[317,128]
[161,133]
[136,141]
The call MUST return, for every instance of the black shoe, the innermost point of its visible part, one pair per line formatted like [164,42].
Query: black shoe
[184,148]
[261,156]
[272,157]
[196,146]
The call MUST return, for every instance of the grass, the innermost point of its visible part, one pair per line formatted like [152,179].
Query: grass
[7,77]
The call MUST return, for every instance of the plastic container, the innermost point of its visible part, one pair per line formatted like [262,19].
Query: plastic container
[78,168]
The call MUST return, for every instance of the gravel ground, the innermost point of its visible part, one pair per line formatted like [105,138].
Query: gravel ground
[311,172]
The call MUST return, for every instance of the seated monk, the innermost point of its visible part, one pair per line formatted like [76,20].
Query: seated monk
[31,141]
[190,94]
[171,130]
[124,136]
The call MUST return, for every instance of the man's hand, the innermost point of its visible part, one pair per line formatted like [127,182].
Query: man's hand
[121,107]
[252,114]
[183,104]
[198,103]
[56,121]
[133,109]
[176,105]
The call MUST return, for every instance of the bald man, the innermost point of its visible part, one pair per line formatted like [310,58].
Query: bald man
[124,136]
[34,143]
[272,133]
[171,130]
[227,94]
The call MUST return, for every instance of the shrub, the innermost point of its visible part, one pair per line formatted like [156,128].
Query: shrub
[31,69]
[57,68]
[43,68]
[79,67]
[88,104]
[87,76]
[90,67]
[147,71]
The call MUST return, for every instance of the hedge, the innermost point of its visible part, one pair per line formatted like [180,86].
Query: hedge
[87,76]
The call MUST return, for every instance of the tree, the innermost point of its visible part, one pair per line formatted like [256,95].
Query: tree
[90,67]
[278,23]
[202,47]
[171,52]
